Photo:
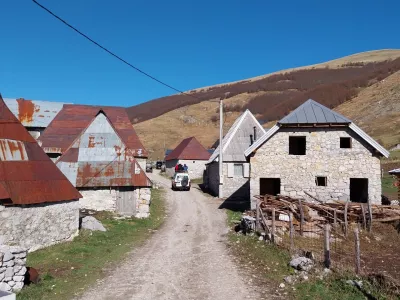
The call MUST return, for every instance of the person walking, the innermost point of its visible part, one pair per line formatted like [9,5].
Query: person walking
[185,168]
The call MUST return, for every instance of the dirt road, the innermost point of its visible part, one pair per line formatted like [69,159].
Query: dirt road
[186,259]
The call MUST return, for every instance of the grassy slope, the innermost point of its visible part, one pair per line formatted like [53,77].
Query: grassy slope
[173,126]
[67,269]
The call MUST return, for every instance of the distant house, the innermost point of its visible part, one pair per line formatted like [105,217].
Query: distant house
[316,150]
[191,153]
[100,154]
[240,136]
[34,115]
[38,205]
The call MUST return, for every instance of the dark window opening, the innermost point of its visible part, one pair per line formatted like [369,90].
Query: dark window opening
[359,190]
[54,156]
[297,145]
[345,142]
[270,186]
[321,181]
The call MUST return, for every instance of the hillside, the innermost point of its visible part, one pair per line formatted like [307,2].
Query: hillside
[270,97]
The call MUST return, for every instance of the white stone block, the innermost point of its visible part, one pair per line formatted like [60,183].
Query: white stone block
[4,287]
[18,278]
[9,272]
[18,286]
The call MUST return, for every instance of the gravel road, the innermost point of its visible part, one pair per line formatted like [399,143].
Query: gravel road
[186,259]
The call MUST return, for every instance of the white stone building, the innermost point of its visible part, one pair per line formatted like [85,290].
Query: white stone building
[236,172]
[191,153]
[316,150]
[38,205]
[101,159]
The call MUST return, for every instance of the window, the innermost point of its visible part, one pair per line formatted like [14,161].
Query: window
[297,145]
[345,142]
[238,170]
[320,181]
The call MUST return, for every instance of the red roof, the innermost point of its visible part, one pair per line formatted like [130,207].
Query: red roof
[73,119]
[27,174]
[189,148]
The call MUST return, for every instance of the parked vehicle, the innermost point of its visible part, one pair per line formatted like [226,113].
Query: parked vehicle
[158,164]
[149,167]
[181,181]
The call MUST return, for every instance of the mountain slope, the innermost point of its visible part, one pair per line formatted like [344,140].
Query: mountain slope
[270,97]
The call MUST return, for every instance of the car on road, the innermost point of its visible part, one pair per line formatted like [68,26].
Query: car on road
[149,167]
[181,181]
[159,163]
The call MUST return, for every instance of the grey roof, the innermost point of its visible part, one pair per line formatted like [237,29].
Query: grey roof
[311,112]
[237,140]
[34,113]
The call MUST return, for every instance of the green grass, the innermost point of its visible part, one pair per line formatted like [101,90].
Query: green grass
[67,269]
[388,184]
[271,262]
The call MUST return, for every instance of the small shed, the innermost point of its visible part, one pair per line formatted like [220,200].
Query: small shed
[101,160]
[396,172]
[242,134]
[38,205]
[34,115]
[191,153]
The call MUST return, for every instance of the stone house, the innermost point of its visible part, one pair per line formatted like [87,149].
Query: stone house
[34,115]
[236,172]
[316,150]
[100,157]
[191,153]
[38,205]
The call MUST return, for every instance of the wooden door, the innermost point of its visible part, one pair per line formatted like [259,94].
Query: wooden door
[126,202]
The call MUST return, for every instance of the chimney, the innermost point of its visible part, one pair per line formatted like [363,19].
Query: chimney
[251,139]
[255,133]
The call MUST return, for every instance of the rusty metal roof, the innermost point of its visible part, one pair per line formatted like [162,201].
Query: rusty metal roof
[73,119]
[27,175]
[99,157]
[189,148]
[34,113]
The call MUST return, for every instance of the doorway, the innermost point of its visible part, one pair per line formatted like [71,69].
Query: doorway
[359,190]
[270,186]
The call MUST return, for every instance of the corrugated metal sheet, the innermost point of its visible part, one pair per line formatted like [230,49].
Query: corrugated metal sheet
[189,148]
[27,175]
[34,113]
[74,119]
[98,158]
[237,140]
[311,112]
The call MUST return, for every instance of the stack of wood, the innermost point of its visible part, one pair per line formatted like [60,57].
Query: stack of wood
[310,216]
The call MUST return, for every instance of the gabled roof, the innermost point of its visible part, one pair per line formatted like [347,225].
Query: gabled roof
[311,112]
[189,148]
[99,158]
[324,113]
[27,174]
[33,113]
[246,117]
[73,119]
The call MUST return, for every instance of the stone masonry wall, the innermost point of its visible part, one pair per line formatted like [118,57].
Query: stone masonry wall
[98,199]
[196,167]
[143,196]
[38,226]
[12,268]
[324,157]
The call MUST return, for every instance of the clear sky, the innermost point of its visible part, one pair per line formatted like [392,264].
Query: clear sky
[187,44]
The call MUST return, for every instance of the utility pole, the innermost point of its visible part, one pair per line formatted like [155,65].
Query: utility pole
[220,160]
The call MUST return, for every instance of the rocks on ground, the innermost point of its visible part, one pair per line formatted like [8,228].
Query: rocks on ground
[91,223]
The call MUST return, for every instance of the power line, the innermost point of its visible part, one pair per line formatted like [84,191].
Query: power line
[110,52]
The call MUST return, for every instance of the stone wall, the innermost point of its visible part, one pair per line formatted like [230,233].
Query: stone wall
[98,199]
[324,157]
[196,167]
[12,268]
[233,187]
[40,225]
[143,202]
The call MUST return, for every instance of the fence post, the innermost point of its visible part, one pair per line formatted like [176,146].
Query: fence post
[370,216]
[273,226]
[291,233]
[327,249]
[301,217]
[357,251]
[346,206]
[258,216]
[335,218]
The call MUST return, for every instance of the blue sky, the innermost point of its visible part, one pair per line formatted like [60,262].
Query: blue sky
[187,44]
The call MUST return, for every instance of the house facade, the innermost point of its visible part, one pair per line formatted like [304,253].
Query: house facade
[38,205]
[101,160]
[236,170]
[191,153]
[318,151]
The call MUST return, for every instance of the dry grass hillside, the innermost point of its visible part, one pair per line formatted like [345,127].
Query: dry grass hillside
[352,85]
